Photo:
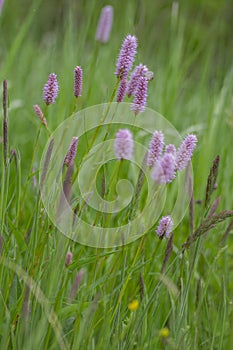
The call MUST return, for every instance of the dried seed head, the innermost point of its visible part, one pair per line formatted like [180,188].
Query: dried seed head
[78,81]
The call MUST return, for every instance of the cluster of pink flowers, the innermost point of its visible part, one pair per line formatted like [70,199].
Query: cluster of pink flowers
[165,165]
[164,161]
[138,82]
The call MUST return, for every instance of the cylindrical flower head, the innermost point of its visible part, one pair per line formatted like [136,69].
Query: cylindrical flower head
[185,151]
[138,72]
[124,144]
[122,90]
[78,81]
[51,89]
[69,256]
[164,169]
[40,114]
[105,24]
[139,103]
[126,57]
[1,4]
[69,159]
[156,148]
[171,149]
[165,226]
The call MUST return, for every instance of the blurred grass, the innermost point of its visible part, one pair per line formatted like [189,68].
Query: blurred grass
[188,46]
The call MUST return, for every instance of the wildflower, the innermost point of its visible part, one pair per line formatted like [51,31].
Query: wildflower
[139,103]
[105,24]
[69,159]
[122,90]
[77,282]
[164,332]
[171,149]
[51,89]
[126,57]
[155,148]
[123,144]
[164,169]
[165,226]
[1,5]
[78,74]
[40,114]
[133,306]
[185,151]
[69,256]
[138,72]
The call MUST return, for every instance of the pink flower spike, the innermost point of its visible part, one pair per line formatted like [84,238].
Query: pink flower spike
[69,159]
[185,151]
[138,72]
[51,89]
[40,114]
[156,148]
[164,169]
[105,24]
[171,149]
[122,90]
[78,81]
[126,57]
[139,103]
[123,144]
[165,227]
[69,256]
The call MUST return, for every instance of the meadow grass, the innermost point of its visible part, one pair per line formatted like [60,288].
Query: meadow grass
[189,50]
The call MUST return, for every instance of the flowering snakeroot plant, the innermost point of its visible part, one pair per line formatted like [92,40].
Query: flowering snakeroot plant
[123,144]
[126,57]
[69,159]
[105,24]
[51,89]
[78,81]
[165,227]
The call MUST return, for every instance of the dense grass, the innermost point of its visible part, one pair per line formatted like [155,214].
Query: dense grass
[190,53]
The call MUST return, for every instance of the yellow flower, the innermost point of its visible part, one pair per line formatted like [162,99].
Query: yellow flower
[133,305]
[164,332]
